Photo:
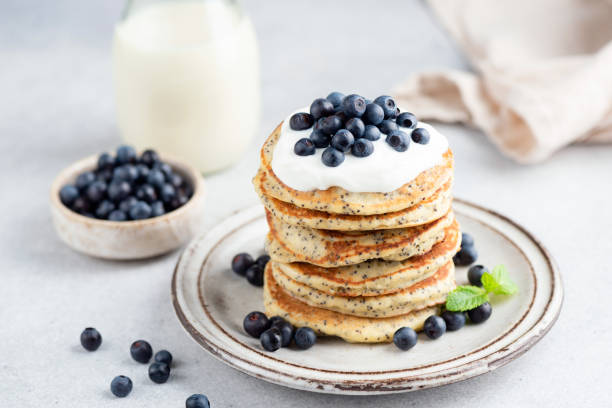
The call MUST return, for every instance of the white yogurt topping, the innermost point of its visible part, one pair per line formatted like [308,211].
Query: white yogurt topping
[383,171]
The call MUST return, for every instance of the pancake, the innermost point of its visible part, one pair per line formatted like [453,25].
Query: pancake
[375,277]
[426,211]
[289,243]
[340,201]
[428,292]
[325,322]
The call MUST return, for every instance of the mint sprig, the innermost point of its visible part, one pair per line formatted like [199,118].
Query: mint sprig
[467,297]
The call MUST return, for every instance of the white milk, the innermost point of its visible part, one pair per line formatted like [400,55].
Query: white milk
[186,77]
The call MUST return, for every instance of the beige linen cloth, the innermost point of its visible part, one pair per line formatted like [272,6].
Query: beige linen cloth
[543,74]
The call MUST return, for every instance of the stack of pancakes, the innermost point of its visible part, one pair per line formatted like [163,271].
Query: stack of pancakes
[358,265]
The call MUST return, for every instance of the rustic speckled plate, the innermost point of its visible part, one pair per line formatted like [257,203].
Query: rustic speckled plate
[211,302]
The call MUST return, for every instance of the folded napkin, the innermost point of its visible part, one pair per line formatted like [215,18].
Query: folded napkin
[543,74]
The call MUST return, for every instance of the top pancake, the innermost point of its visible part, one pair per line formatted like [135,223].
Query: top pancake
[340,201]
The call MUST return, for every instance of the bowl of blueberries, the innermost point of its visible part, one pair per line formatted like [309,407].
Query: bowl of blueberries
[127,205]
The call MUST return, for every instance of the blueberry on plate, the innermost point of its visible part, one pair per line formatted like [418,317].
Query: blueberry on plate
[68,194]
[371,132]
[126,154]
[467,255]
[466,239]
[407,120]
[420,136]
[335,98]
[319,138]
[91,339]
[480,313]
[321,107]
[117,215]
[304,147]
[149,157]
[475,274]
[121,386]
[96,191]
[118,190]
[301,121]
[271,339]
[256,323]
[434,327]
[374,114]
[387,126]
[241,262]
[286,331]
[343,140]
[163,356]
[157,209]
[84,179]
[362,148]
[398,140]
[332,157]
[255,275]
[197,401]
[387,104]
[262,261]
[454,320]
[146,193]
[104,209]
[353,106]
[331,124]
[304,338]
[140,211]
[81,205]
[159,372]
[105,161]
[156,178]
[356,127]
[141,351]
[405,338]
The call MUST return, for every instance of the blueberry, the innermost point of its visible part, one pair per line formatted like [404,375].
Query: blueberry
[127,172]
[304,147]
[271,339]
[91,339]
[147,193]
[387,126]
[331,124]
[353,106]
[149,157]
[157,209]
[242,262]
[467,255]
[335,98]
[320,139]
[255,323]
[362,148]
[475,274]
[374,114]
[371,132]
[332,157]
[105,161]
[301,121]
[156,178]
[197,401]
[68,194]
[159,372]
[140,211]
[454,320]
[407,120]
[434,327]
[163,356]
[164,168]
[405,338]
[286,331]
[343,140]
[96,191]
[176,180]
[255,275]
[126,154]
[121,386]
[480,313]
[105,175]
[304,338]
[398,140]
[321,107]
[141,351]
[262,261]
[104,209]
[420,136]
[81,205]
[117,215]
[126,204]
[167,192]
[387,104]
[466,239]
[118,190]
[142,173]
[83,180]
[356,127]
[395,114]
[275,320]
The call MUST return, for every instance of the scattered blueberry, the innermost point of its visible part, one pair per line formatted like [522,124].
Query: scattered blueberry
[141,351]
[387,104]
[68,194]
[242,262]
[321,107]
[475,274]
[434,327]
[343,140]
[146,193]
[467,255]
[157,209]
[117,215]
[332,157]
[304,338]
[118,190]
[362,148]
[159,372]
[121,386]
[105,161]
[197,401]
[407,120]
[374,114]
[149,157]
[371,132]
[387,126]
[355,126]
[466,239]
[286,331]
[271,339]
[398,140]
[163,356]
[104,209]
[405,338]
[255,275]
[420,136]
[480,313]
[301,121]
[84,179]
[140,211]
[262,261]
[335,98]
[353,106]
[454,320]
[331,124]
[320,139]
[91,339]
[126,154]
[256,323]
[304,147]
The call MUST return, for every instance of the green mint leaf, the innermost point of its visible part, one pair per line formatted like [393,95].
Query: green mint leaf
[498,281]
[465,298]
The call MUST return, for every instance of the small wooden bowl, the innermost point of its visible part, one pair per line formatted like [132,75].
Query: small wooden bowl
[128,239]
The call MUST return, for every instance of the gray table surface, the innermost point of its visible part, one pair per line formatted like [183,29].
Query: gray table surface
[56,107]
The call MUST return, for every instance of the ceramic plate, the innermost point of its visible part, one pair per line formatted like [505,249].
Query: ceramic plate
[211,302]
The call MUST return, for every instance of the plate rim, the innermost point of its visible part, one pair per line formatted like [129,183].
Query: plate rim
[467,370]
